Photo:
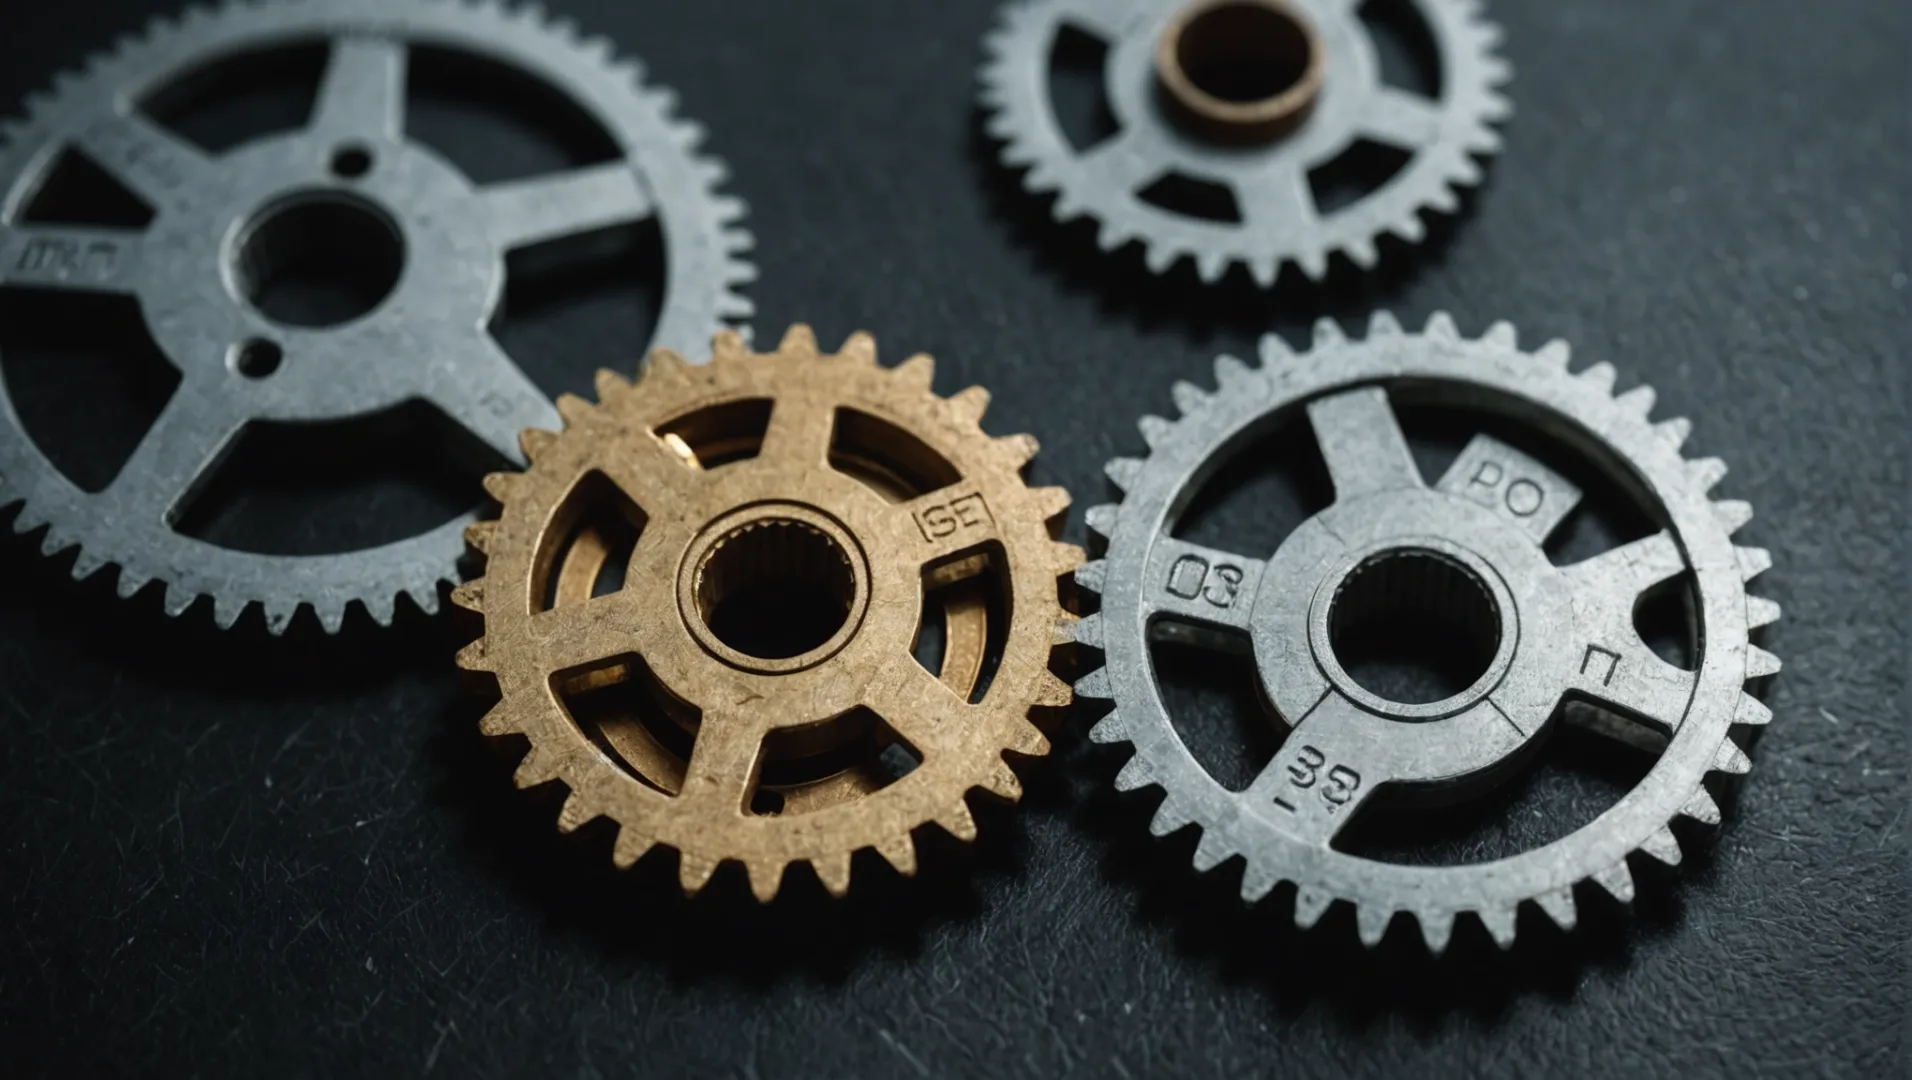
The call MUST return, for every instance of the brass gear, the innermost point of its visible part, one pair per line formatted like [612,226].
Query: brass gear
[828,472]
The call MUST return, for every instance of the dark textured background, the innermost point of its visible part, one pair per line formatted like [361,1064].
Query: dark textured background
[223,854]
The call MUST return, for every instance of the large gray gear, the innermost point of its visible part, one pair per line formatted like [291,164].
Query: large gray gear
[1560,633]
[1279,222]
[426,340]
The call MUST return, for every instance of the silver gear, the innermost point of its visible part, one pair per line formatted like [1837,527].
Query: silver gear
[1563,633]
[1280,222]
[426,339]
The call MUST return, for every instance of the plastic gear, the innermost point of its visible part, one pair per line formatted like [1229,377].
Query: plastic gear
[426,339]
[1557,634]
[768,469]
[1279,220]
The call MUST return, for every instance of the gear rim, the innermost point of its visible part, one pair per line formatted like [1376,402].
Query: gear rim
[1432,896]
[658,166]
[1023,522]
[1014,94]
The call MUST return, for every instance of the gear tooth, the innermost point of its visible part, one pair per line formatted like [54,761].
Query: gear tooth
[899,852]
[1161,258]
[1760,663]
[1110,236]
[1265,269]
[1502,335]
[472,657]
[178,598]
[1189,398]
[1383,324]
[694,871]
[1753,561]
[1134,775]
[130,583]
[735,308]
[1701,807]
[1109,729]
[1556,354]
[1050,502]
[470,595]
[1052,692]
[479,534]
[1155,430]
[1674,431]
[538,767]
[1020,448]
[1313,263]
[1101,519]
[1274,351]
[1065,558]
[959,822]
[1440,326]
[1258,879]
[630,847]
[1559,906]
[1169,818]
[55,541]
[1662,846]
[860,348]
[1499,922]
[1095,686]
[1706,473]
[663,363]
[1029,741]
[1003,782]
[1443,200]
[572,409]
[331,617]
[382,607]
[226,611]
[799,341]
[834,871]
[535,441]
[502,486]
[1437,928]
[425,596]
[1123,472]
[1638,401]
[1092,575]
[577,810]
[1760,612]
[918,370]
[28,519]
[1411,229]
[1752,711]
[1310,904]
[1211,852]
[1062,631]
[497,722]
[1372,923]
[727,345]
[1731,759]
[1733,514]
[86,564]
[1362,252]
[970,403]
[1088,631]
[766,878]
[1231,373]
[1327,333]
[278,614]
[1600,376]
[1617,880]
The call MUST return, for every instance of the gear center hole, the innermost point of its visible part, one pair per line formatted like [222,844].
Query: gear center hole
[775,588]
[1414,626]
[1242,70]
[319,259]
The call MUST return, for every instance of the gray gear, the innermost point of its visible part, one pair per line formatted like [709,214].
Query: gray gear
[1472,539]
[1280,221]
[425,340]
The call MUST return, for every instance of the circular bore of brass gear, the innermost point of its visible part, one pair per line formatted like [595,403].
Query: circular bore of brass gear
[754,464]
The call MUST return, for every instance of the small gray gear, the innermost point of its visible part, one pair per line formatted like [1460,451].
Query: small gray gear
[426,340]
[1268,177]
[1472,540]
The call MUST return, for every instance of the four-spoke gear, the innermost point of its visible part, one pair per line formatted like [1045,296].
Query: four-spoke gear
[1249,97]
[349,182]
[1471,545]
[849,488]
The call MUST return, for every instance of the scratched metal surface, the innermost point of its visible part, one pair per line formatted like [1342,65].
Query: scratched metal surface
[238,854]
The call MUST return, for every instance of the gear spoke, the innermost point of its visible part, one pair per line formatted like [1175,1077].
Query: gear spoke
[944,523]
[1320,776]
[1401,119]
[1281,206]
[918,706]
[1611,664]
[81,258]
[590,632]
[1361,441]
[159,167]
[1202,586]
[521,213]
[363,91]
[1124,161]
[1511,484]
[800,429]
[177,455]
[497,407]
[726,759]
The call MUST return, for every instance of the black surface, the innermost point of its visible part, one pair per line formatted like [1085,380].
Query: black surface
[224,854]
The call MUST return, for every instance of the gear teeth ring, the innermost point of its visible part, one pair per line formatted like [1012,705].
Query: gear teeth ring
[879,507]
[425,342]
[1265,178]
[1390,540]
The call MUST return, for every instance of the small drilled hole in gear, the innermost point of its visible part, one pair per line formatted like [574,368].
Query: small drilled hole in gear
[243,97]
[775,588]
[351,161]
[1078,92]
[319,260]
[256,358]
[1413,626]
[1243,52]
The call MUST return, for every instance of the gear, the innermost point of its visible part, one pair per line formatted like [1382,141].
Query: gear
[1178,117]
[348,180]
[847,498]
[1390,548]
